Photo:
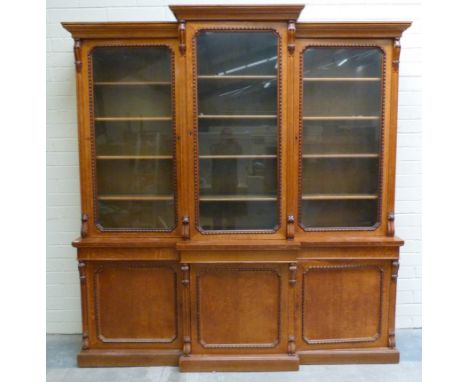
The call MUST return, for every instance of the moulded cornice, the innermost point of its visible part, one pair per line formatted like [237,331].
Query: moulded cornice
[387,29]
[270,12]
[121,29]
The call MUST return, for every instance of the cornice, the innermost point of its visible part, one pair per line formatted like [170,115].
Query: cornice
[384,29]
[263,12]
[121,29]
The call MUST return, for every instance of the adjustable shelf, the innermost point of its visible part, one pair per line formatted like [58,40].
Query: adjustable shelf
[237,156]
[342,118]
[238,198]
[237,116]
[339,197]
[341,79]
[132,83]
[136,197]
[133,118]
[139,157]
[236,77]
[343,156]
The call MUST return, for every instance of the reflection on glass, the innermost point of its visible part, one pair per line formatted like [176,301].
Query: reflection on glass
[342,110]
[237,130]
[133,138]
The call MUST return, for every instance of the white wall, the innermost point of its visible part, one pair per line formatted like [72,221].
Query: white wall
[63,202]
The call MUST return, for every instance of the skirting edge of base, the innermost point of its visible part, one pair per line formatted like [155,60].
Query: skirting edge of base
[349,356]
[254,362]
[127,357]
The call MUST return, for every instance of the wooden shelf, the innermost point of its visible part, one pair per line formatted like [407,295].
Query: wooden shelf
[238,198]
[341,79]
[238,77]
[319,156]
[136,197]
[126,157]
[237,156]
[343,118]
[132,83]
[133,118]
[237,116]
[339,197]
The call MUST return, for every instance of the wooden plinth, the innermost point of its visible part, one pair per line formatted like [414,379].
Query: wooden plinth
[127,357]
[351,356]
[207,363]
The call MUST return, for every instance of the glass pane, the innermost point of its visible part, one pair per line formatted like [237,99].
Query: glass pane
[237,130]
[342,110]
[133,138]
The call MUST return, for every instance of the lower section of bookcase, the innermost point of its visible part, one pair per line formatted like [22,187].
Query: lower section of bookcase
[321,306]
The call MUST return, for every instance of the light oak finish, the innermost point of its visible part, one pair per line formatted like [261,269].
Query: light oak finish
[247,300]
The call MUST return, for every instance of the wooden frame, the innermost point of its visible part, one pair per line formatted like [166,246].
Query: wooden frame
[192,31]
[385,164]
[191,289]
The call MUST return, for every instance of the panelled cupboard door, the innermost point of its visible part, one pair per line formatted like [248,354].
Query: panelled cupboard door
[237,122]
[342,116]
[343,304]
[130,126]
[239,308]
[133,305]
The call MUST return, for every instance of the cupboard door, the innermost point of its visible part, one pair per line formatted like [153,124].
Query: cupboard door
[239,307]
[342,90]
[237,123]
[134,305]
[133,130]
[343,304]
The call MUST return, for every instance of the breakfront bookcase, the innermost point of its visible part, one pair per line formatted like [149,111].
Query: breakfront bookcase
[237,190]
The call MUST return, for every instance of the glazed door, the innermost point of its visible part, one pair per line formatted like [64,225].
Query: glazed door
[341,114]
[237,121]
[133,125]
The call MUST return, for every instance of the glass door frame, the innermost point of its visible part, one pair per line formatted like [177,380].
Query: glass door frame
[388,133]
[87,144]
[193,28]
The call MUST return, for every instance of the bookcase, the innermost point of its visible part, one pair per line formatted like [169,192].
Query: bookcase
[237,176]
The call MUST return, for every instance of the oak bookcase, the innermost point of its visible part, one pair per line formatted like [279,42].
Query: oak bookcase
[237,190]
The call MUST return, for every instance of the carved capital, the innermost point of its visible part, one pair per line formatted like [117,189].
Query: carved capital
[185,228]
[291,36]
[182,37]
[395,268]
[391,224]
[77,52]
[291,345]
[82,272]
[396,53]
[187,349]
[185,274]
[292,273]
[391,339]
[84,225]
[85,341]
[290,227]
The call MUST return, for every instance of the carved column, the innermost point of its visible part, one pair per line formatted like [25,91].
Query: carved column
[393,290]
[84,305]
[182,37]
[77,53]
[391,224]
[185,228]
[393,70]
[290,227]
[396,54]
[84,225]
[187,347]
[292,308]
[291,36]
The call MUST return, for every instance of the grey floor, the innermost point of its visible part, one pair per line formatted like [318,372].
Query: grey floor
[62,349]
